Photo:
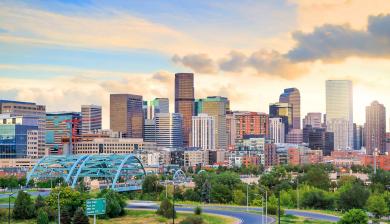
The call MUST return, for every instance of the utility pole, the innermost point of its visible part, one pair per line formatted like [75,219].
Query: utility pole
[247,198]
[279,207]
[59,208]
[298,192]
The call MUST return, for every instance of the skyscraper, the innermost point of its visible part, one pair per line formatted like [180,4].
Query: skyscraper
[283,111]
[313,119]
[276,129]
[293,97]
[231,130]
[126,115]
[168,130]
[216,106]
[18,108]
[320,139]
[375,128]
[91,116]
[203,131]
[357,136]
[158,105]
[184,102]
[339,112]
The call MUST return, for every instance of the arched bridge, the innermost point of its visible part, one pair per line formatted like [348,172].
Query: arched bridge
[117,172]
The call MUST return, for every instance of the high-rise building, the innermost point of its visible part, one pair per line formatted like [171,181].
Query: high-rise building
[91,116]
[61,127]
[294,136]
[126,115]
[252,123]
[357,136]
[375,128]
[184,102]
[18,108]
[293,97]
[339,112]
[313,119]
[168,130]
[158,105]
[320,139]
[276,130]
[18,136]
[150,130]
[284,111]
[203,131]
[231,130]
[215,106]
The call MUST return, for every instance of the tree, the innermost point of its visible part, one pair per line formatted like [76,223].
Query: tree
[354,216]
[42,217]
[191,195]
[317,177]
[239,197]
[376,204]
[80,217]
[353,196]
[318,199]
[24,206]
[39,203]
[69,198]
[151,184]
[166,209]
[65,216]
[197,210]
[115,203]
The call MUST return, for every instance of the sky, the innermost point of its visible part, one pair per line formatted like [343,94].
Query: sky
[67,53]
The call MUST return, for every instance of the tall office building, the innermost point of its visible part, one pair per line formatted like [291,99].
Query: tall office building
[293,97]
[276,130]
[203,131]
[60,126]
[18,108]
[184,102]
[357,136]
[168,130]
[126,115]
[91,116]
[284,111]
[215,106]
[295,136]
[313,119]
[375,128]
[231,129]
[16,133]
[320,139]
[339,112]
[158,105]
[252,123]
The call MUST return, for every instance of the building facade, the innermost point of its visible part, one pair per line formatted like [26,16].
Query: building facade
[113,146]
[231,130]
[91,116]
[16,133]
[18,108]
[168,130]
[283,111]
[252,123]
[294,136]
[61,127]
[357,136]
[184,102]
[293,97]
[126,115]
[313,119]
[339,112]
[276,129]
[203,131]
[375,128]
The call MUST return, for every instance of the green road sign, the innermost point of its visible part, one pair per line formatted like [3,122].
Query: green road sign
[96,206]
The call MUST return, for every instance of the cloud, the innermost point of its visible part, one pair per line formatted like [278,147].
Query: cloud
[234,62]
[337,42]
[200,63]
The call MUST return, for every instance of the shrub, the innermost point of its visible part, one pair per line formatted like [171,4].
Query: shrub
[192,220]
[42,217]
[198,210]
[317,199]
[79,217]
[166,209]
[39,203]
[24,207]
[65,216]
[272,209]
[354,216]
[115,203]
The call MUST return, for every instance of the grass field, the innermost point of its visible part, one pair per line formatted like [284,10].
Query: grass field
[290,219]
[142,217]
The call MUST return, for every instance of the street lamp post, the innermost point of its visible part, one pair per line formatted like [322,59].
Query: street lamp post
[247,197]
[9,207]
[59,208]
[173,204]
[297,193]
[279,207]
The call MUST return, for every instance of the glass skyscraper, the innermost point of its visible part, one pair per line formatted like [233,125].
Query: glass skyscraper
[293,97]
[168,130]
[339,112]
[283,111]
[184,102]
[91,118]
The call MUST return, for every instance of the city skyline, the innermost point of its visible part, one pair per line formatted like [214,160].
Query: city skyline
[70,67]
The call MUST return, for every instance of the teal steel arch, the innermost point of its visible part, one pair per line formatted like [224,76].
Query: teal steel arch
[123,172]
